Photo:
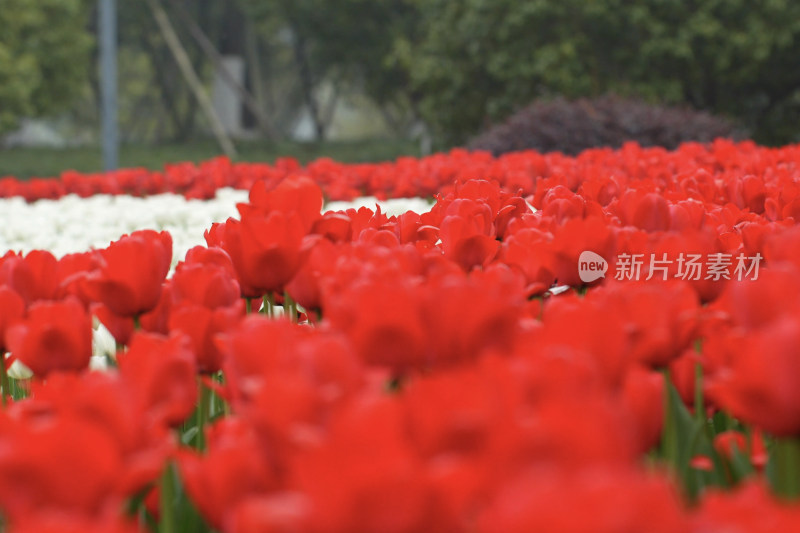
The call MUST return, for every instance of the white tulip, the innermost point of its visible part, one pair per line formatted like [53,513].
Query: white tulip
[18,370]
[72,224]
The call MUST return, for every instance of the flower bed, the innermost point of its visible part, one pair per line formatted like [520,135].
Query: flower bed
[604,343]
[72,224]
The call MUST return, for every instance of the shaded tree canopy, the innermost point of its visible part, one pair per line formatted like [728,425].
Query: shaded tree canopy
[347,44]
[44,56]
[478,60]
[460,65]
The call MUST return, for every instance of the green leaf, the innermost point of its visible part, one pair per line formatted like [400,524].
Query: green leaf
[189,435]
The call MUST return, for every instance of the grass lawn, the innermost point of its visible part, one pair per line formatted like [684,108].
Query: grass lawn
[25,163]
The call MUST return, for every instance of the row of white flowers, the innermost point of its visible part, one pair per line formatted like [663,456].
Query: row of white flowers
[74,224]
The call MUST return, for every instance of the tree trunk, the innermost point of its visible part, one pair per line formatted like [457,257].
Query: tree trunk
[253,65]
[211,52]
[327,117]
[307,84]
[185,65]
[165,91]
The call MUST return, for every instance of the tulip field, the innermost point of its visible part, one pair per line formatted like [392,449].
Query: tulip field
[604,343]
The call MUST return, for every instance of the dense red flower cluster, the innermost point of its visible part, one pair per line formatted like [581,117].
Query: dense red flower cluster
[437,380]
[720,173]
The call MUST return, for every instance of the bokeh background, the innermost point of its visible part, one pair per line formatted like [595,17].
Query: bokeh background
[361,80]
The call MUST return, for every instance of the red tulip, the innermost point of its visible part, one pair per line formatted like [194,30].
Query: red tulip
[265,249]
[103,400]
[201,325]
[651,213]
[58,522]
[12,309]
[316,363]
[749,507]
[72,269]
[383,322]
[156,320]
[298,195]
[274,511]
[55,336]
[318,266]
[562,204]
[643,396]
[34,276]
[385,488]
[464,316]
[161,372]
[133,268]
[334,226]
[531,252]
[547,500]
[586,326]
[236,466]
[759,384]
[573,238]
[660,317]
[207,284]
[729,442]
[41,462]
[468,234]
[363,219]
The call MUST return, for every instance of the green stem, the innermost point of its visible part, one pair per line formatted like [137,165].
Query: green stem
[226,408]
[4,383]
[699,405]
[137,325]
[290,307]
[668,444]
[167,489]
[202,415]
[786,455]
[248,306]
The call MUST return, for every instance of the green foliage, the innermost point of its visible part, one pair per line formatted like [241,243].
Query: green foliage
[478,60]
[348,43]
[44,56]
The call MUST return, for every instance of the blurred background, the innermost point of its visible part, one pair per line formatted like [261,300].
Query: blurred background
[363,80]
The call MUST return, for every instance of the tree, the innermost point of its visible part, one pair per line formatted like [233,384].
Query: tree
[190,75]
[479,60]
[732,57]
[44,57]
[345,45]
[149,78]
[206,30]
